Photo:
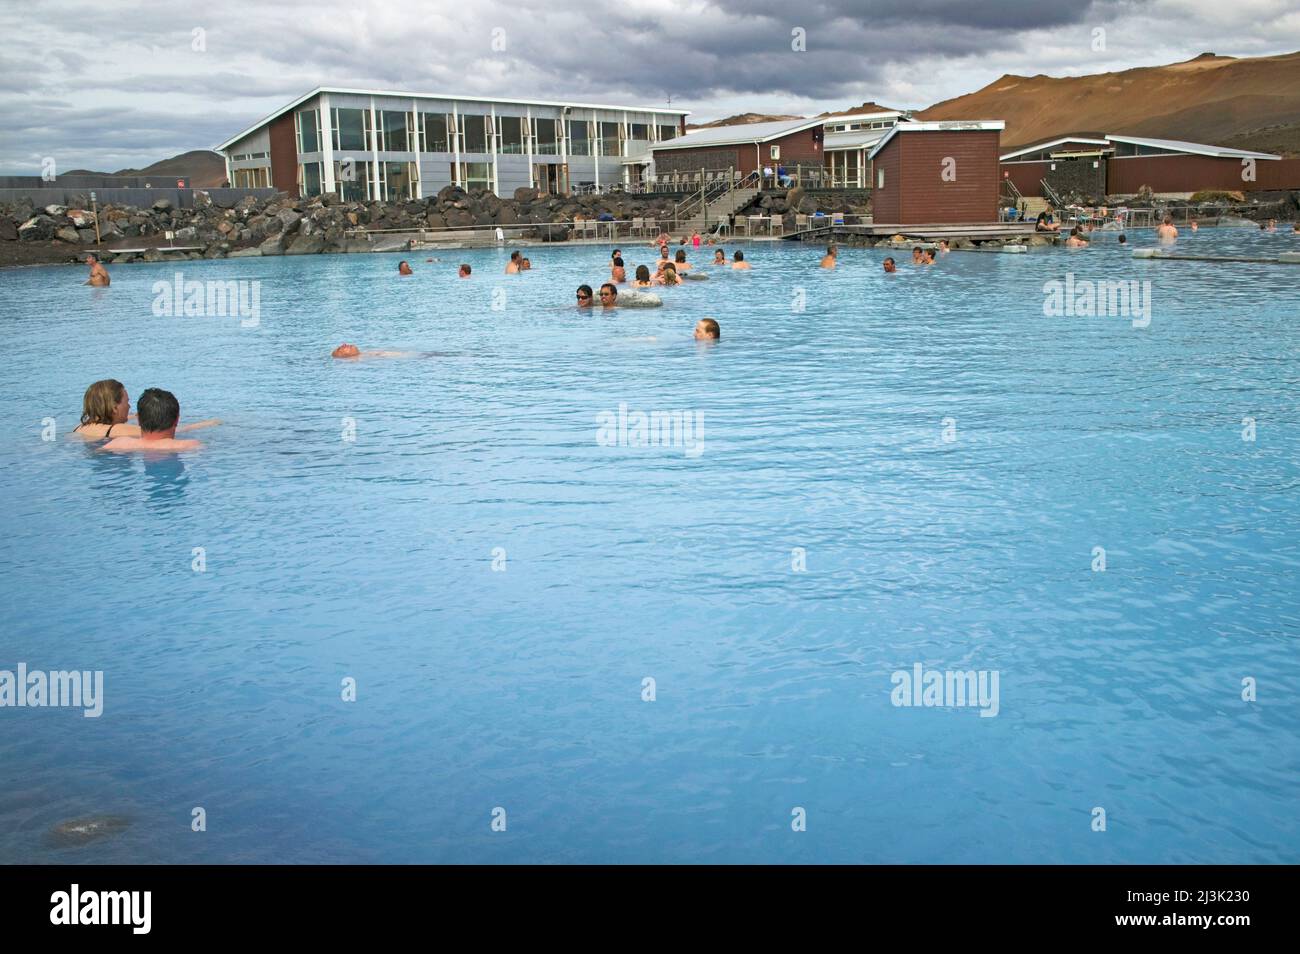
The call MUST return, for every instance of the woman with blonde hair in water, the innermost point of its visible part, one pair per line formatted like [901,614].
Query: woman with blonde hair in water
[105,409]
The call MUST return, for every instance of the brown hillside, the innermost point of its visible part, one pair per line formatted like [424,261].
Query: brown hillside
[741,119]
[205,169]
[1251,103]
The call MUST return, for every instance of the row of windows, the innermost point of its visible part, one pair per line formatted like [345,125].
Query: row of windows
[850,127]
[249,155]
[399,131]
[396,180]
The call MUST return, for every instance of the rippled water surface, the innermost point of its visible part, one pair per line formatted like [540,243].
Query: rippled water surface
[522,688]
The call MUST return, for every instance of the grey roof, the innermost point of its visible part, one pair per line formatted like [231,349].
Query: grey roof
[1197,148]
[740,134]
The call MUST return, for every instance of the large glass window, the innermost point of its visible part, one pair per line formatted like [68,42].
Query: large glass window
[435,133]
[393,124]
[309,131]
[350,179]
[667,132]
[579,137]
[640,131]
[350,127]
[610,140]
[258,178]
[476,175]
[546,142]
[512,135]
[476,132]
[309,177]
[398,179]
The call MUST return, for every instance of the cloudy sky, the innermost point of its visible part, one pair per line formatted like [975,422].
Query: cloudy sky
[108,85]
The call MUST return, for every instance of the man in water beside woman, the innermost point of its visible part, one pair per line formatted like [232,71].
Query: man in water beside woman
[105,409]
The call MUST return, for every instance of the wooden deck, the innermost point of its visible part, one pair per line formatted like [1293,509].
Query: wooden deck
[926,232]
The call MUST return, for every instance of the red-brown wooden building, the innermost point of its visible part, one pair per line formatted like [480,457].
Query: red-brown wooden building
[937,172]
[1122,165]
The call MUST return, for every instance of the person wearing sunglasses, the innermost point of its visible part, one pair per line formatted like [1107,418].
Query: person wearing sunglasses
[584,296]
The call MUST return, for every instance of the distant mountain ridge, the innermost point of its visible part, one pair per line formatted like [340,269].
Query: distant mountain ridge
[203,168]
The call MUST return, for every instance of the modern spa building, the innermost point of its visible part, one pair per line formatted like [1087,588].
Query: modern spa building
[839,145]
[370,144]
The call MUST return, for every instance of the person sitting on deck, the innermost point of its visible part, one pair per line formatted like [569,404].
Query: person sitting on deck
[617,273]
[584,296]
[1046,221]
[1076,240]
[890,267]
[98,273]
[159,413]
[642,277]
[512,266]
[828,260]
[738,260]
[706,329]
[1166,231]
[608,296]
[680,261]
[464,271]
[404,268]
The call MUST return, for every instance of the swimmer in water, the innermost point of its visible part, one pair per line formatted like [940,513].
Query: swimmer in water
[584,296]
[617,272]
[917,257]
[943,247]
[403,268]
[642,277]
[928,256]
[1123,239]
[347,351]
[1076,240]
[98,273]
[1194,225]
[828,260]
[890,267]
[464,271]
[105,409]
[739,260]
[719,257]
[512,266]
[680,262]
[159,413]
[1165,231]
[706,329]
[608,296]
[667,276]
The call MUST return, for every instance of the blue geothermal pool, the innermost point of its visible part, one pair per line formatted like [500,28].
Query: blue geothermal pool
[916,473]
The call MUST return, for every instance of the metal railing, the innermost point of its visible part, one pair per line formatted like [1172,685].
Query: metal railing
[1049,193]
